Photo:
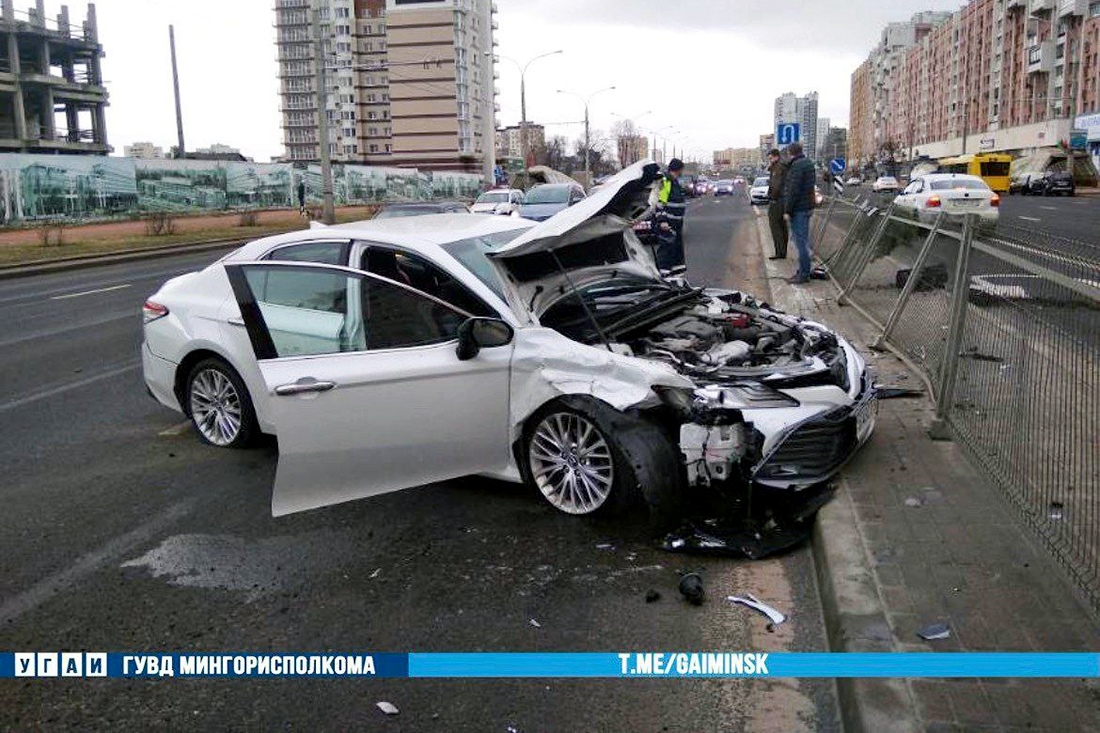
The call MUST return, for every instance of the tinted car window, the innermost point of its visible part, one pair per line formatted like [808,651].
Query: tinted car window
[398,318]
[548,195]
[422,275]
[966,183]
[323,253]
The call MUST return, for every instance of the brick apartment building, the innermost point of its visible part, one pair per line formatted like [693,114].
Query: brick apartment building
[996,76]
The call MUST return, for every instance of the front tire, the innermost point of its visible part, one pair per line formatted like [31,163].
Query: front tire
[586,458]
[219,405]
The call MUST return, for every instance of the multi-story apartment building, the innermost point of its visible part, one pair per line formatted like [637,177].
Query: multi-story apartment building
[410,82]
[145,150]
[52,97]
[510,139]
[736,158]
[803,110]
[998,75]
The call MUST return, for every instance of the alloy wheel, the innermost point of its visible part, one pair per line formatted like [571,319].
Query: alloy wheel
[215,406]
[571,463]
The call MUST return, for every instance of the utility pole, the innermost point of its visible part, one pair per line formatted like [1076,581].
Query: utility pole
[587,140]
[523,125]
[328,213]
[176,87]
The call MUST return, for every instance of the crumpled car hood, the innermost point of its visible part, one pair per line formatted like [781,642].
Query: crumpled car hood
[612,209]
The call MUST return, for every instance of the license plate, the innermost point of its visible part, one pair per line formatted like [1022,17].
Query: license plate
[865,414]
[967,202]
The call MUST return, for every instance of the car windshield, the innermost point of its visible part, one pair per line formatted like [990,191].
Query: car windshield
[493,197]
[547,195]
[397,212]
[972,184]
[471,253]
[760,182]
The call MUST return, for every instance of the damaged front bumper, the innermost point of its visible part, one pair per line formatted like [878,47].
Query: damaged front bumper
[808,452]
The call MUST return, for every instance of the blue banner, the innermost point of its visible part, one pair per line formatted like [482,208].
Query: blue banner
[541,665]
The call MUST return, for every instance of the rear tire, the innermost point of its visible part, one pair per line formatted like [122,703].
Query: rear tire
[218,403]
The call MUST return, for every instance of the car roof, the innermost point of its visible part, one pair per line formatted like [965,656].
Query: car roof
[951,177]
[415,233]
[555,185]
[423,205]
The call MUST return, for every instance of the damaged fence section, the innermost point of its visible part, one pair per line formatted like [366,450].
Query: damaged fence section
[1004,327]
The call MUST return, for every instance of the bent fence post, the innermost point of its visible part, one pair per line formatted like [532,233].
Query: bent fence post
[911,283]
[821,228]
[864,258]
[959,298]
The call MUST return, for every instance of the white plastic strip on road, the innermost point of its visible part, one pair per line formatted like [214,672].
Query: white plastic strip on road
[1029,218]
[90,292]
[89,563]
[61,389]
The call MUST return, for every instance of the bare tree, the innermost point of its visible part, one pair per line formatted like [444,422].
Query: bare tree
[557,152]
[628,142]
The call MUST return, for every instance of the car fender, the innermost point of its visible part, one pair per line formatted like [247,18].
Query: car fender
[546,365]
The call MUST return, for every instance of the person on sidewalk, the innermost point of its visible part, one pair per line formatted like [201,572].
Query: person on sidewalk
[671,205]
[799,206]
[777,178]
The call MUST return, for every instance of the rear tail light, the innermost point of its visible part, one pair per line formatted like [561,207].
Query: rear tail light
[933,202]
[152,311]
[995,201]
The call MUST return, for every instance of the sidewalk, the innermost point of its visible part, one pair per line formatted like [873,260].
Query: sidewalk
[917,536]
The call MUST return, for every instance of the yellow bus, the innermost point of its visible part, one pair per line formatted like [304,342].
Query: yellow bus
[993,168]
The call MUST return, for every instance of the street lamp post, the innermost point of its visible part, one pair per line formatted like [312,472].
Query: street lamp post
[587,141]
[328,212]
[524,146]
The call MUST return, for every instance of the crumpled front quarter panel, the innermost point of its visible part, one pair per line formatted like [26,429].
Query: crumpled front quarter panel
[546,365]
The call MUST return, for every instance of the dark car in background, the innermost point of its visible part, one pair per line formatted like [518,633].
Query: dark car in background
[397,211]
[1059,183]
[547,199]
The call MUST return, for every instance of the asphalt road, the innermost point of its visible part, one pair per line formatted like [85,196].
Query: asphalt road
[120,531]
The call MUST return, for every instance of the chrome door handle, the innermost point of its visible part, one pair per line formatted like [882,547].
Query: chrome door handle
[303,385]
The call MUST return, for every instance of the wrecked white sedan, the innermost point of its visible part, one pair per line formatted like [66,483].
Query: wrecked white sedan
[391,354]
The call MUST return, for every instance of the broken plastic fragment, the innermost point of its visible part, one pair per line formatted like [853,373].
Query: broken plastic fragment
[893,393]
[387,707]
[935,631]
[1056,508]
[912,501]
[757,605]
[536,624]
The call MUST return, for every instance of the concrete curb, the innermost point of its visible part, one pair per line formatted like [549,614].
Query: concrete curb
[109,258]
[855,616]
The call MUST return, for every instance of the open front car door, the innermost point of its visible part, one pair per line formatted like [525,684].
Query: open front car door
[370,391]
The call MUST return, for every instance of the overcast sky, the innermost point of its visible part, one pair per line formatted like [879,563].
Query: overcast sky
[709,68]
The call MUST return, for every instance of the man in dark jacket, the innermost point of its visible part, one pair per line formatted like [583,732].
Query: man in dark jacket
[799,206]
[777,179]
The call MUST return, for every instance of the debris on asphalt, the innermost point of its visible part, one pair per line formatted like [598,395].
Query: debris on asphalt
[884,392]
[536,624]
[978,356]
[652,595]
[756,604]
[387,707]
[1056,508]
[605,546]
[912,501]
[376,572]
[935,631]
[691,587]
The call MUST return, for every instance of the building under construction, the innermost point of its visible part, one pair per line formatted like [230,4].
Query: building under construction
[52,97]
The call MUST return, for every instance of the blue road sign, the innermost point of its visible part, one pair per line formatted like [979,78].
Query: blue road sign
[787,133]
[837,165]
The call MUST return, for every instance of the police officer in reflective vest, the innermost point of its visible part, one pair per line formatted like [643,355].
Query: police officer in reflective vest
[671,205]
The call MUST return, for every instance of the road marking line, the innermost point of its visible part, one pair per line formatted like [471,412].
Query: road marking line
[66,387]
[176,429]
[89,563]
[1028,218]
[90,292]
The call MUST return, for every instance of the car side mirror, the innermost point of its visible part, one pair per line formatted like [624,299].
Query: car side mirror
[476,334]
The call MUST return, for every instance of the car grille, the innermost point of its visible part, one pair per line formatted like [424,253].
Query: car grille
[815,448]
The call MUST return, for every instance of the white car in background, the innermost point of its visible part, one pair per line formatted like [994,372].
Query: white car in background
[854,181]
[954,193]
[758,194]
[392,354]
[885,184]
[503,201]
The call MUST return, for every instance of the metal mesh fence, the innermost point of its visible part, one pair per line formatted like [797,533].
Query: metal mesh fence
[1023,389]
